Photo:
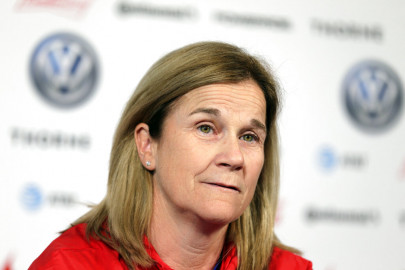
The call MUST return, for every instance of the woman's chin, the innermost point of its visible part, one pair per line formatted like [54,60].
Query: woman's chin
[218,217]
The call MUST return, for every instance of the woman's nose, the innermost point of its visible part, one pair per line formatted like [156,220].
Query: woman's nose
[230,154]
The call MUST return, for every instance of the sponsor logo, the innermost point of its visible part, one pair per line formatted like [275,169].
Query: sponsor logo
[348,30]
[64,7]
[8,264]
[373,96]
[64,69]
[253,20]
[44,139]
[328,159]
[33,198]
[126,8]
[330,215]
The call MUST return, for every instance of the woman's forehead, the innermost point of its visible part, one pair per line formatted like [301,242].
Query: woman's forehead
[243,96]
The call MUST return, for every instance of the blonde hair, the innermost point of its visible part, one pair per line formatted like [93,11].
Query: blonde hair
[122,218]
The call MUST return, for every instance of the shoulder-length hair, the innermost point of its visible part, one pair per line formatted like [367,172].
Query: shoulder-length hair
[122,218]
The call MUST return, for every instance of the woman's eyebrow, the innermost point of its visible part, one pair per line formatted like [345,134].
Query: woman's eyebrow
[254,122]
[257,124]
[212,111]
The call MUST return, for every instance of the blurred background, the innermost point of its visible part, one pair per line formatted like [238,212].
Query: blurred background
[67,68]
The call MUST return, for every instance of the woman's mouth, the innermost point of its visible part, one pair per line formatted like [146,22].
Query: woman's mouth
[224,186]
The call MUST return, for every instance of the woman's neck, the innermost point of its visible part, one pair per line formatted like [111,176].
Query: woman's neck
[186,242]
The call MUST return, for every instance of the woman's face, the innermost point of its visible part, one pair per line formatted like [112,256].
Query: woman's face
[211,152]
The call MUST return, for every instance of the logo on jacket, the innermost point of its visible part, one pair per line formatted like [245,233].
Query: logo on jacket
[64,69]
[373,95]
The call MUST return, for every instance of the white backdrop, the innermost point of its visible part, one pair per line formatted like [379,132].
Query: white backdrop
[342,196]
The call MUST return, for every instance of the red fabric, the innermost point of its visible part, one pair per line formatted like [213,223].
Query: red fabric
[72,251]
[281,259]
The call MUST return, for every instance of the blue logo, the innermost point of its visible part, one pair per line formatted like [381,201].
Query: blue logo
[31,197]
[327,158]
[64,70]
[373,95]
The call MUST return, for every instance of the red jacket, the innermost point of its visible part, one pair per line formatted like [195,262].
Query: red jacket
[71,251]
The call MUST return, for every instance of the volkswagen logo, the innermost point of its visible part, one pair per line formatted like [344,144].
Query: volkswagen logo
[64,69]
[373,95]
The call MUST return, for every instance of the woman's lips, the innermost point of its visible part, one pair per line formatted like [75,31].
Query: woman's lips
[225,186]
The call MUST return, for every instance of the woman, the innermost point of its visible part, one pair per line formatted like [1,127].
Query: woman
[194,173]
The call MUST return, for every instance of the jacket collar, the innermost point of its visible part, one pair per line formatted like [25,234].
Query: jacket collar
[229,259]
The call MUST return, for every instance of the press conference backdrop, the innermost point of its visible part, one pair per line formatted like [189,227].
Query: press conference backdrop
[67,67]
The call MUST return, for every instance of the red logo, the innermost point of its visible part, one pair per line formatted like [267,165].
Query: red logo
[64,7]
[7,265]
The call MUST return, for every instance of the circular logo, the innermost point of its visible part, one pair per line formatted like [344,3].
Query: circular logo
[327,158]
[64,69]
[373,95]
[31,197]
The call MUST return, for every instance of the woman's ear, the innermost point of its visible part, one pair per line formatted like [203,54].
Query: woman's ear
[144,145]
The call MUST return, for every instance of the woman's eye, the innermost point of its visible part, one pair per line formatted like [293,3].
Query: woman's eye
[205,129]
[249,138]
